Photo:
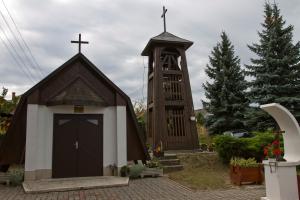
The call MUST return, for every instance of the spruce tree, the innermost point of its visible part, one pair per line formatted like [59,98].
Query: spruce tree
[276,69]
[225,93]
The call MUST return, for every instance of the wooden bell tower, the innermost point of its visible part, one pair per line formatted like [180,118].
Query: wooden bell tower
[170,111]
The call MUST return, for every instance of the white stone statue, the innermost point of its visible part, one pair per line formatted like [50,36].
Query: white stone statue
[281,176]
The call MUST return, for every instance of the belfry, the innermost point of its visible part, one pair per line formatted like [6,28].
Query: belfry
[170,111]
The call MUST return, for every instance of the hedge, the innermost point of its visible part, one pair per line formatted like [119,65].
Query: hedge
[229,147]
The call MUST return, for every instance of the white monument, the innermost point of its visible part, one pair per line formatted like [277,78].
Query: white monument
[281,176]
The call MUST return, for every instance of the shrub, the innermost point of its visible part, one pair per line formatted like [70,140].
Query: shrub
[256,144]
[153,163]
[16,175]
[242,162]
[204,147]
[211,147]
[124,171]
[228,147]
[136,170]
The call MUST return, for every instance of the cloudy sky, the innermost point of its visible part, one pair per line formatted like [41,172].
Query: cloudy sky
[118,30]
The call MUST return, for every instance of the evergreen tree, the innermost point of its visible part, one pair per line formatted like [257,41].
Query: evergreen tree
[276,69]
[225,93]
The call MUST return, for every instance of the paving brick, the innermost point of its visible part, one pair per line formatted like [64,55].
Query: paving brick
[140,189]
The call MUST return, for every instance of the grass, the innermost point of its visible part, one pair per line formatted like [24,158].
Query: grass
[202,172]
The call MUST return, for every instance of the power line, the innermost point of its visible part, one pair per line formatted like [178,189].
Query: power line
[15,59]
[15,53]
[24,42]
[18,43]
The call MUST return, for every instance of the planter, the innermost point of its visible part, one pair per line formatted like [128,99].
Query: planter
[239,175]
[272,159]
[153,172]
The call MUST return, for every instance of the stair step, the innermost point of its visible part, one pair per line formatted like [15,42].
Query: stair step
[168,157]
[170,162]
[4,177]
[172,168]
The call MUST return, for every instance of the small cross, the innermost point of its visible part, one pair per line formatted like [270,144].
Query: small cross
[80,42]
[164,16]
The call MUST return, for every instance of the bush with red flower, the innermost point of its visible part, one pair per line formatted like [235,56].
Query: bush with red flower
[274,150]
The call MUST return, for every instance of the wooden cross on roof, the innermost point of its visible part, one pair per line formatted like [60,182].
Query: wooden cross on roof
[79,43]
[164,16]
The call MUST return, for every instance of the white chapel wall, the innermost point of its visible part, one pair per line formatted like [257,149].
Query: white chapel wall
[39,137]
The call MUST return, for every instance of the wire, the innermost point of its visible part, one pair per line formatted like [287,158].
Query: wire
[19,44]
[24,42]
[15,59]
[16,53]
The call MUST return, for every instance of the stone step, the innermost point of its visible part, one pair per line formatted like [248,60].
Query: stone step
[172,168]
[4,177]
[170,162]
[168,157]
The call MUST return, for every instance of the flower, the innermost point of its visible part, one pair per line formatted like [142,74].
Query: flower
[273,150]
[277,152]
[275,143]
[266,151]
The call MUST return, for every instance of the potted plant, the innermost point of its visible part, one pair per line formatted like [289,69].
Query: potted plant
[245,170]
[272,151]
[153,168]
[124,171]
[16,175]
[158,150]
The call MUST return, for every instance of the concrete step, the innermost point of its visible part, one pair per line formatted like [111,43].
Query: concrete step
[76,183]
[170,162]
[168,156]
[172,168]
[4,177]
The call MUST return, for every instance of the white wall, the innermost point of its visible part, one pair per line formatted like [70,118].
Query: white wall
[39,132]
[121,136]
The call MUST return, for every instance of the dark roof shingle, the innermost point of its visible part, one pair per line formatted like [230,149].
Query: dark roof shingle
[166,37]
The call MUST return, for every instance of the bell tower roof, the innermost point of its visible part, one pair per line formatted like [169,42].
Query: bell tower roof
[166,38]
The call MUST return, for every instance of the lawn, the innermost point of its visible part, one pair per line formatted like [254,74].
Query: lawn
[202,171]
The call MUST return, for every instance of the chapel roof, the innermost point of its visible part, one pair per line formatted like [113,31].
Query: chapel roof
[163,38]
[12,148]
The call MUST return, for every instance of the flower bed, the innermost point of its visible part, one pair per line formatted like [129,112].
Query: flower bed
[245,171]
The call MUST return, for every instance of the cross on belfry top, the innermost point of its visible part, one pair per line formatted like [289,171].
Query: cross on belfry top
[79,43]
[164,16]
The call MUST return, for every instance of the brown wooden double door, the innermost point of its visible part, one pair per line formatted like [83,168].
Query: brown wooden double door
[77,145]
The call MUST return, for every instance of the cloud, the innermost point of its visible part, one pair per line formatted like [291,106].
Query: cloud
[119,30]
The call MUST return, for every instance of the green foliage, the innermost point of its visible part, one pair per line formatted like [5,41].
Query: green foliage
[124,171]
[140,110]
[259,120]
[6,106]
[275,69]
[200,119]
[226,91]
[16,175]
[153,163]
[135,171]
[203,147]
[229,147]
[242,162]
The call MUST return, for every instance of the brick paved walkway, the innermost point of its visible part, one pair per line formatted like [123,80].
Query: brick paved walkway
[149,188]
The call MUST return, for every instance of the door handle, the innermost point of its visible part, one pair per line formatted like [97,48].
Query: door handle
[76,145]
